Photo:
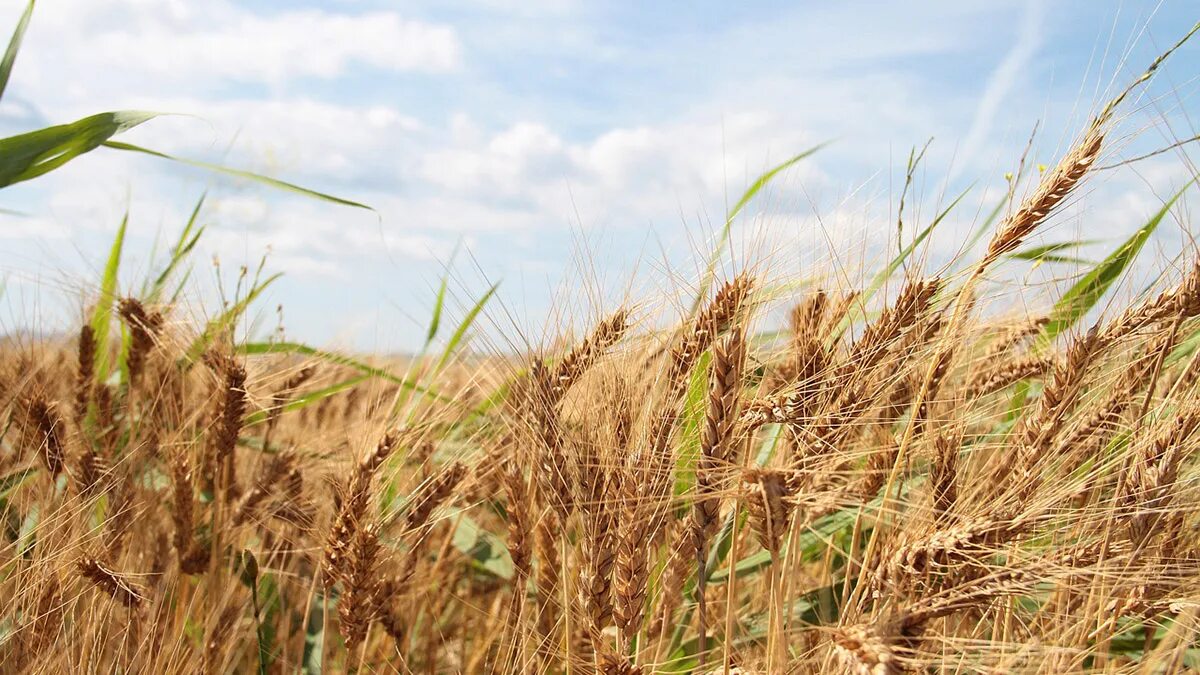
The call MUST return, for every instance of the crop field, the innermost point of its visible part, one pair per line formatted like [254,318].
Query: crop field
[912,473]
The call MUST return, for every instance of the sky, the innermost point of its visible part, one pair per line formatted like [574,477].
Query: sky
[558,148]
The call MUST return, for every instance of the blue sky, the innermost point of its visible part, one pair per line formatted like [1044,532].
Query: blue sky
[563,145]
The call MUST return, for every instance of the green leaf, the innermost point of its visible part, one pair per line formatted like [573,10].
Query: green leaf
[759,183]
[1047,252]
[102,315]
[693,417]
[463,327]
[1186,347]
[752,629]
[486,550]
[723,541]
[13,480]
[238,173]
[500,393]
[14,46]
[1085,293]
[267,620]
[10,482]
[259,348]
[436,320]
[27,535]
[308,399]
[1062,259]
[811,542]
[29,155]
[187,242]
[225,321]
[314,637]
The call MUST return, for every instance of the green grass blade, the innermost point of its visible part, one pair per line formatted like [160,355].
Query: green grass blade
[692,419]
[884,274]
[14,46]
[439,304]
[463,327]
[183,248]
[102,314]
[313,661]
[27,534]
[1049,250]
[296,348]
[13,480]
[29,155]
[723,541]
[894,264]
[752,630]
[501,393]
[811,542]
[123,353]
[1050,253]
[1062,259]
[305,400]
[239,173]
[726,229]
[225,320]
[485,550]
[1085,293]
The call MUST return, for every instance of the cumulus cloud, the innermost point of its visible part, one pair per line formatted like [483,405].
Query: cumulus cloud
[623,176]
[283,46]
[154,45]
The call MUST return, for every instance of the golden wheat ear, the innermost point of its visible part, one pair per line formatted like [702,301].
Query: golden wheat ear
[112,583]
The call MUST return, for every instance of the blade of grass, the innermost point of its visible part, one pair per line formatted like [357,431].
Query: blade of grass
[439,304]
[689,431]
[894,264]
[1085,293]
[225,321]
[683,658]
[305,400]
[313,661]
[260,348]
[32,154]
[1061,259]
[102,314]
[983,229]
[723,541]
[811,542]
[463,327]
[726,229]
[14,46]
[239,173]
[1046,252]
[486,551]
[500,394]
[13,480]
[187,242]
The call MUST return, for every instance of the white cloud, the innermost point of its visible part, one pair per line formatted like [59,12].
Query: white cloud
[622,176]
[283,46]
[23,227]
[173,45]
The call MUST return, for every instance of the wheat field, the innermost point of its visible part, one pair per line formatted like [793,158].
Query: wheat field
[894,480]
